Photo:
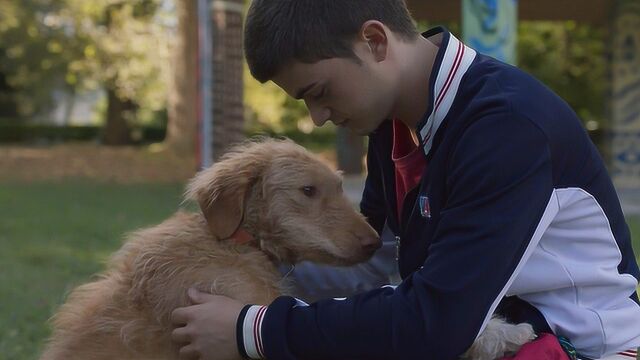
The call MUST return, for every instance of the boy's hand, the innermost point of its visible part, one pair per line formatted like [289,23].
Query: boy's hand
[207,329]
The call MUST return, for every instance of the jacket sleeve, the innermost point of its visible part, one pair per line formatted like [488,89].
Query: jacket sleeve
[499,187]
[313,282]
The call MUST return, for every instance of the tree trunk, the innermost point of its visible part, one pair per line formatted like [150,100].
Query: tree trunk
[183,92]
[8,104]
[116,130]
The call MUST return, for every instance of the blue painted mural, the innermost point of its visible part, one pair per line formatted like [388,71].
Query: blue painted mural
[491,27]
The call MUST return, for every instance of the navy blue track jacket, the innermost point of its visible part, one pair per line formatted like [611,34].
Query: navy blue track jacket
[515,214]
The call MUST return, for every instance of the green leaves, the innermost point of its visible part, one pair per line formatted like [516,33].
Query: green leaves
[569,58]
[82,45]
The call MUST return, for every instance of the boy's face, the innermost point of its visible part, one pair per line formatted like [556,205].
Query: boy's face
[358,96]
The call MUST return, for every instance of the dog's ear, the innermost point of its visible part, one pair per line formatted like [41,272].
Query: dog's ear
[221,190]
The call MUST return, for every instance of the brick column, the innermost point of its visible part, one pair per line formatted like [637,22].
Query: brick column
[227,92]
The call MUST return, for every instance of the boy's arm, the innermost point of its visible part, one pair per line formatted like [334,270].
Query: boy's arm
[499,204]
[313,282]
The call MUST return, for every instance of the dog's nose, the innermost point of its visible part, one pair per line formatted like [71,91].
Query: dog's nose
[370,243]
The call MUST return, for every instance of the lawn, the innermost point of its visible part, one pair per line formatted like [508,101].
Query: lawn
[53,236]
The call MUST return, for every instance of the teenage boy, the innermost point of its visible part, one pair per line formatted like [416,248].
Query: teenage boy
[499,200]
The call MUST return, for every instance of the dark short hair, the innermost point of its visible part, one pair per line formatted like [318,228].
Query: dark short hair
[278,31]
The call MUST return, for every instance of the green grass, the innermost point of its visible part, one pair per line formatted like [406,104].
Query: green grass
[54,236]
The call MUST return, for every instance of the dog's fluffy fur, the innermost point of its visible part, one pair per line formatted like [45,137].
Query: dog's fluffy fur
[498,339]
[258,186]
[289,201]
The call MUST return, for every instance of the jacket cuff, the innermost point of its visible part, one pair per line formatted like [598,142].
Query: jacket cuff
[249,331]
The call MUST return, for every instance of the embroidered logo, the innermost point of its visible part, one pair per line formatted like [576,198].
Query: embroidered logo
[425,208]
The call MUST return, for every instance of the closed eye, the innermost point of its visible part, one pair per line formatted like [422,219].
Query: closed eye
[320,95]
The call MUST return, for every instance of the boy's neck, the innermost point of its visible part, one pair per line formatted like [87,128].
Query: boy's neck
[417,62]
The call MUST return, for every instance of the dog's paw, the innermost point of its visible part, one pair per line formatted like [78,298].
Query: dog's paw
[499,339]
[517,336]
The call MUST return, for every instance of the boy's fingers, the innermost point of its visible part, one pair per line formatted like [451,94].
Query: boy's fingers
[180,316]
[189,352]
[181,335]
[198,297]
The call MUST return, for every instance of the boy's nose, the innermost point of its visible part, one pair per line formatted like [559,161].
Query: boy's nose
[319,115]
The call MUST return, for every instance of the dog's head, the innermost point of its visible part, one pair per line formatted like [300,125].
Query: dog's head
[288,198]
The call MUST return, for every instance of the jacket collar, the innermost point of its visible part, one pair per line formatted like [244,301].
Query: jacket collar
[451,64]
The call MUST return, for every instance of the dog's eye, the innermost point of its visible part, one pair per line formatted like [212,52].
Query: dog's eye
[309,190]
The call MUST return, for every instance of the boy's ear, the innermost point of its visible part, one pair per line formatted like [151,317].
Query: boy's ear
[375,34]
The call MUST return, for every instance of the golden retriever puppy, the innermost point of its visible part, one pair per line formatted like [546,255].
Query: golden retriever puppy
[263,203]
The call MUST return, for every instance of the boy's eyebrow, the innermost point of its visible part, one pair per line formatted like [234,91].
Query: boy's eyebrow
[301,92]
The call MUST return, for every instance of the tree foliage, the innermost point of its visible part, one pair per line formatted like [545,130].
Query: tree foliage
[127,50]
[571,59]
[80,45]
[123,45]
[34,51]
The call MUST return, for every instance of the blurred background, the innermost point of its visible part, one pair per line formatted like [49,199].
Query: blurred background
[107,107]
